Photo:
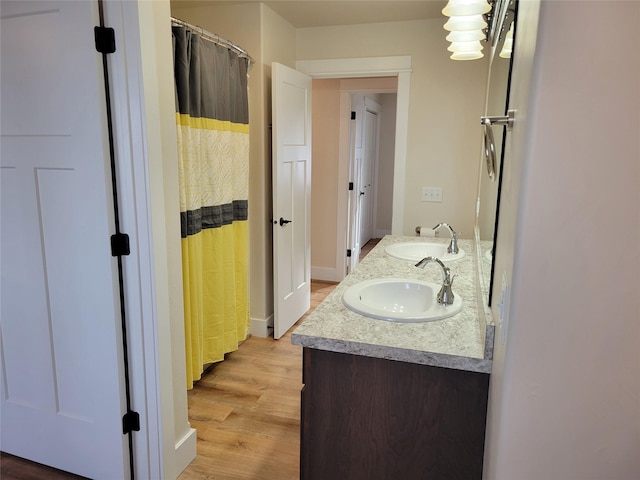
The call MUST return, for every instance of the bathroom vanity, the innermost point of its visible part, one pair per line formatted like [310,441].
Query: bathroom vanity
[386,399]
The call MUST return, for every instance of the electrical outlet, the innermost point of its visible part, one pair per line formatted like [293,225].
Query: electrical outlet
[432,194]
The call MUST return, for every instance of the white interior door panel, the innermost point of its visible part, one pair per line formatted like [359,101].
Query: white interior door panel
[61,401]
[291,170]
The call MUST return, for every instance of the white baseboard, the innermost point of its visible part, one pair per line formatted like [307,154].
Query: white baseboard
[324,274]
[185,451]
[261,327]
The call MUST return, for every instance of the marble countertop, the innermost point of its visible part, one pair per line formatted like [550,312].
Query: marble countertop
[456,342]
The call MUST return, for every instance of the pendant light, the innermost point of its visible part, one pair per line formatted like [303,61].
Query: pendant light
[466,25]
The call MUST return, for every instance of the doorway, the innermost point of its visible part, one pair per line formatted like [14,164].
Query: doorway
[359,190]
[350,70]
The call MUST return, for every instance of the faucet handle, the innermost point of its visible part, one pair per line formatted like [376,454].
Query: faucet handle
[448,227]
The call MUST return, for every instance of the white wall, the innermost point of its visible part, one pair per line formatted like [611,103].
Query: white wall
[447,97]
[325,198]
[385,164]
[324,174]
[565,388]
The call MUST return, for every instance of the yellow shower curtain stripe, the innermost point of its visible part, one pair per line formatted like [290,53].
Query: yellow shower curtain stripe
[219,317]
[185,120]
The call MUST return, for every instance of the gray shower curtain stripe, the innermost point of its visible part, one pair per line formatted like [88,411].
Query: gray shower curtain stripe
[194,221]
[201,77]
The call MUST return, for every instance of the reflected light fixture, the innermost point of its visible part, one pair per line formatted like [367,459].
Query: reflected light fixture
[507,47]
[466,25]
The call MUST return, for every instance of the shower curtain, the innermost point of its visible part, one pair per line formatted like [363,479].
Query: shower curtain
[213,154]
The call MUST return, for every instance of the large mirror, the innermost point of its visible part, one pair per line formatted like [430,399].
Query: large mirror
[497,104]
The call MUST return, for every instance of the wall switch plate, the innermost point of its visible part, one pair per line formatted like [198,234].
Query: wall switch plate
[431,194]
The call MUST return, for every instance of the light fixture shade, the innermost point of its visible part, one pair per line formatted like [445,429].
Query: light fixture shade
[508,44]
[465,47]
[507,48]
[466,55]
[466,22]
[466,36]
[466,7]
[505,53]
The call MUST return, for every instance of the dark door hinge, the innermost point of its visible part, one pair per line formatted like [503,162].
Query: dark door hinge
[120,245]
[105,39]
[353,115]
[350,185]
[348,252]
[131,422]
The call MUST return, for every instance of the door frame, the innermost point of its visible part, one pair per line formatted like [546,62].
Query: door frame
[125,73]
[396,66]
[145,140]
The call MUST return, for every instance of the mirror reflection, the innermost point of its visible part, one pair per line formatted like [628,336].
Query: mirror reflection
[497,103]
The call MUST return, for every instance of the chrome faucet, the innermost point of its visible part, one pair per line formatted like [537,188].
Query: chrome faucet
[453,245]
[445,295]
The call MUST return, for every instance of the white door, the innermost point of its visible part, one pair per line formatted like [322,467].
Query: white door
[291,171]
[366,194]
[355,174]
[61,401]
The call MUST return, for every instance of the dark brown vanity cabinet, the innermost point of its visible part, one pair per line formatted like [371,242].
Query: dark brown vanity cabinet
[370,418]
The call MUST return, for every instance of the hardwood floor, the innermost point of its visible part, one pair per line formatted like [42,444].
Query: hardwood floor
[368,247]
[16,468]
[246,411]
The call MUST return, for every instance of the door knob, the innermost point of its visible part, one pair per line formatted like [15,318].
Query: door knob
[283,222]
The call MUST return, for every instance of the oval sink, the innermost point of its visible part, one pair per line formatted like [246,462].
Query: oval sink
[416,251]
[399,300]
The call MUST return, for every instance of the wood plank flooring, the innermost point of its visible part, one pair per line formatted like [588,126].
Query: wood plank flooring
[16,468]
[246,411]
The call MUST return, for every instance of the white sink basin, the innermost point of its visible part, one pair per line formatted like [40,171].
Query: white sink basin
[399,300]
[415,251]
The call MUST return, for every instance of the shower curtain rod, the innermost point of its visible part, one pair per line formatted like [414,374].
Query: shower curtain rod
[212,37]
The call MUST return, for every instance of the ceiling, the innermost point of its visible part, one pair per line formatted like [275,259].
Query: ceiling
[319,13]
